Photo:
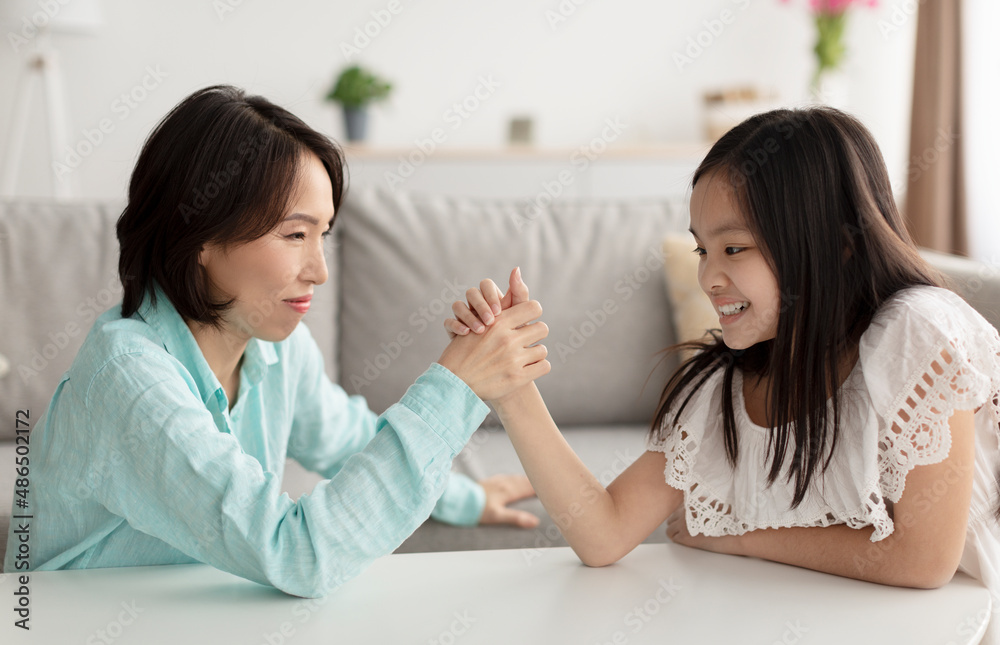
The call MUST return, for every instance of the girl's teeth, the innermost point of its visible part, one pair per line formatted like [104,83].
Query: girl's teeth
[736,307]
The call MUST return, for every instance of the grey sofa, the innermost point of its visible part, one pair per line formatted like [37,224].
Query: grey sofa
[397,261]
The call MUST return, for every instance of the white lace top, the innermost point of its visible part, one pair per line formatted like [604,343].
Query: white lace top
[926,354]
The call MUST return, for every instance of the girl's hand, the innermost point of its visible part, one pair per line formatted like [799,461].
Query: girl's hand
[678,533]
[505,357]
[484,304]
[502,490]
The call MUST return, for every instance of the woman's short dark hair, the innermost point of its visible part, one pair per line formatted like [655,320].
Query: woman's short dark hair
[220,168]
[814,189]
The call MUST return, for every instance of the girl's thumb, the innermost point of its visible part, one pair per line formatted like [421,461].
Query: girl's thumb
[518,289]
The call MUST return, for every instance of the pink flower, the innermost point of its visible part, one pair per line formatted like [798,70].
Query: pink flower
[835,6]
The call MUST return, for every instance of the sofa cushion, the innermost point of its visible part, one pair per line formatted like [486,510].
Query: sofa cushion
[693,311]
[977,282]
[596,267]
[58,272]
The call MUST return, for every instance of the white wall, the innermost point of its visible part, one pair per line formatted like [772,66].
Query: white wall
[982,61]
[606,59]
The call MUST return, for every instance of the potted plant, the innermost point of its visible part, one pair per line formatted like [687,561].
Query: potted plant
[354,89]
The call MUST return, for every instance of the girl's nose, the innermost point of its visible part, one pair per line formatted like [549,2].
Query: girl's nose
[711,276]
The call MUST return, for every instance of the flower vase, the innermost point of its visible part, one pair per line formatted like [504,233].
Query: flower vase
[829,83]
[830,87]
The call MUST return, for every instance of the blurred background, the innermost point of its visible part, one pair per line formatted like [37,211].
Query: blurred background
[546,75]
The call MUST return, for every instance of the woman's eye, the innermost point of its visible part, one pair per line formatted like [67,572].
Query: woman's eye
[328,232]
[297,236]
[733,250]
[699,251]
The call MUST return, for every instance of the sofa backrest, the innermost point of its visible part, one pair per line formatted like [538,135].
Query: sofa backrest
[596,267]
[397,261]
[58,273]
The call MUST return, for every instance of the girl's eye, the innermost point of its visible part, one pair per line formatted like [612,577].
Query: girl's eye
[297,236]
[699,251]
[328,232]
[733,250]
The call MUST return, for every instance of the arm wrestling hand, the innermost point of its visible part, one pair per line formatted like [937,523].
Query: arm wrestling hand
[484,304]
[502,490]
[503,358]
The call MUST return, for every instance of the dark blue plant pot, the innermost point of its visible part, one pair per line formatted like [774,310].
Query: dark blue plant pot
[356,123]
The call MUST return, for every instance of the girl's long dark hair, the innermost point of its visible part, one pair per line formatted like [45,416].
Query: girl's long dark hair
[814,190]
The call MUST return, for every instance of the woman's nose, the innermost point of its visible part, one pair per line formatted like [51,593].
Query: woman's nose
[315,270]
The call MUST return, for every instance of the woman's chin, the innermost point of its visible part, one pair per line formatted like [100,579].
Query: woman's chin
[275,333]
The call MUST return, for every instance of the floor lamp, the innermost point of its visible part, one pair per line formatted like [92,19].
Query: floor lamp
[29,26]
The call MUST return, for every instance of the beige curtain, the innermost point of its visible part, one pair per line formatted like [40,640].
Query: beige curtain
[935,195]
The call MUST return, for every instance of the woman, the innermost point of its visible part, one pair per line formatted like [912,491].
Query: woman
[165,441]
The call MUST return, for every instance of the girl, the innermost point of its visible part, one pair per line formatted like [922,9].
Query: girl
[844,419]
[166,440]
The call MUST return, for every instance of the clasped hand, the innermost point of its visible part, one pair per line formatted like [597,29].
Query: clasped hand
[499,358]
[502,355]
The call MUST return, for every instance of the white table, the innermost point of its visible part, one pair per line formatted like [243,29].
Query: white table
[660,593]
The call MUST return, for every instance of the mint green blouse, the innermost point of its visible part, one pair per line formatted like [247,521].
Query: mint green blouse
[139,461]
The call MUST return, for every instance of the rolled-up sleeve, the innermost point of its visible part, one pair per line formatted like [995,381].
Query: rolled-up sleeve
[330,426]
[172,474]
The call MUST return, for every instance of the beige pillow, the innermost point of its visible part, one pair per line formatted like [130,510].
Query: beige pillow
[693,312]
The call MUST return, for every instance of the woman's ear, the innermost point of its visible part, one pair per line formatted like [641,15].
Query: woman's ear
[205,255]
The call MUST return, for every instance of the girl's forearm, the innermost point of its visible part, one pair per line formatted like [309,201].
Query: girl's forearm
[850,553]
[579,505]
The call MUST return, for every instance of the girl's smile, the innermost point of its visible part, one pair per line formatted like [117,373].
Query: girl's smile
[733,270]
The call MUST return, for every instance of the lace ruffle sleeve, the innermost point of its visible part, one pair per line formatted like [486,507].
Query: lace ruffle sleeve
[926,354]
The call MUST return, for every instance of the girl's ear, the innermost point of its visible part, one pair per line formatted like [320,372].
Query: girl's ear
[848,244]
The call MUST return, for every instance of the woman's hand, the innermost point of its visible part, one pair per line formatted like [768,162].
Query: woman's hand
[503,358]
[678,533]
[484,305]
[502,490]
